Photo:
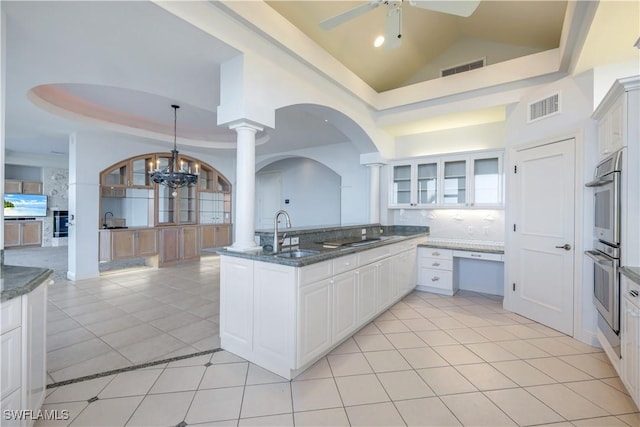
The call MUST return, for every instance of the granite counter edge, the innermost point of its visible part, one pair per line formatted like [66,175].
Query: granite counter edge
[18,280]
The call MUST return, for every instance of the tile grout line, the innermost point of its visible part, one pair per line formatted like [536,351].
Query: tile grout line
[129,368]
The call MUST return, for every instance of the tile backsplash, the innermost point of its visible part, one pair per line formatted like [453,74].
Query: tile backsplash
[466,224]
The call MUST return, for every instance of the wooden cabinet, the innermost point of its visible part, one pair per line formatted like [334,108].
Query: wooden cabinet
[215,236]
[25,187]
[181,243]
[464,180]
[22,233]
[116,245]
[436,270]
[23,362]
[630,337]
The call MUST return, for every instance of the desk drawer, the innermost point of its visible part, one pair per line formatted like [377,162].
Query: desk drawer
[436,253]
[437,264]
[433,278]
[487,256]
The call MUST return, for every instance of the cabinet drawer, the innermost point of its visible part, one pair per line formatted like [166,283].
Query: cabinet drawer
[314,272]
[372,255]
[11,314]
[479,255]
[437,264]
[345,263]
[436,253]
[436,278]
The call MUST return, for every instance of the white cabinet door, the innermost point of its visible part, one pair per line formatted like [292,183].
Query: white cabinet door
[11,362]
[403,273]
[314,321]
[236,312]
[383,284]
[630,338]
[13,402]
[366,293]
[345,315]
[34,328]
[274,313]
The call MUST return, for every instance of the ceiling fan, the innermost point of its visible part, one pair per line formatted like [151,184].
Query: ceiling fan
[393,23]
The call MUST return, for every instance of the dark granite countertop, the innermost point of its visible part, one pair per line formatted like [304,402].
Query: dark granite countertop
[461,245]
[323,254]
[16,280]
[633,273]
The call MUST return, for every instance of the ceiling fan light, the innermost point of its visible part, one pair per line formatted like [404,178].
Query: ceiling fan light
[379,41]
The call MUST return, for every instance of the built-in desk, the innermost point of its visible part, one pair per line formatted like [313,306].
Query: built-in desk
[445,266]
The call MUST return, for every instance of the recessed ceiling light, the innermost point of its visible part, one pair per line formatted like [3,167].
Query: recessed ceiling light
[379,41]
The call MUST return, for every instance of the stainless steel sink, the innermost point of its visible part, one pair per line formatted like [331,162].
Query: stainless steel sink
[298,253]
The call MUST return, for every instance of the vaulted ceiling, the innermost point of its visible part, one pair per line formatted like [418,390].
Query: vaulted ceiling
[497,31]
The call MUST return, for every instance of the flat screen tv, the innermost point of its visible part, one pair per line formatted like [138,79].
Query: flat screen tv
[24,205]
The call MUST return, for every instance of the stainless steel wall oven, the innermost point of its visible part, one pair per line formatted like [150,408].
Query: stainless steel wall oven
[606,248]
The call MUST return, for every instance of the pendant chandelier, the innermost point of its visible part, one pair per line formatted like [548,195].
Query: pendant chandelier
[172,176]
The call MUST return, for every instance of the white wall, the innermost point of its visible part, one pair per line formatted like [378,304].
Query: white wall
[469,138]
[574,120]
[312,189]
[461,52]
[462,224]
[344,159]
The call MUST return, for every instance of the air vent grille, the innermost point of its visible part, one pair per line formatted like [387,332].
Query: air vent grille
[544,108]
[462,68]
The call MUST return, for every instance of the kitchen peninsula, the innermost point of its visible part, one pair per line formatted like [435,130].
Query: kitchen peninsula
[23,296]
[284,312]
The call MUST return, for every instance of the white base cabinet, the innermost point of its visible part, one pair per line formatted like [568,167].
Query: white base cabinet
[23,362]
[630,337]
[436,271]
[285,318]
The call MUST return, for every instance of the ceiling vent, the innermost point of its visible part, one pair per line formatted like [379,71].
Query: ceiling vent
[544,108]
[462,68]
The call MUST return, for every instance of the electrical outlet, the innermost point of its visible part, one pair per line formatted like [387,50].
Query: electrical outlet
[295,240]
[364,231]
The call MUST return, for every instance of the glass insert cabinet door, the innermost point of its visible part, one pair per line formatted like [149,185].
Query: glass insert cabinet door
[427,183]
[455,177]
[402,184]
[486,181]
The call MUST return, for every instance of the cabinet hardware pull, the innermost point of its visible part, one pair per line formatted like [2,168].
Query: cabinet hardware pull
[476,255]
[435,264]
[633,293]
[435,253]
[435,278]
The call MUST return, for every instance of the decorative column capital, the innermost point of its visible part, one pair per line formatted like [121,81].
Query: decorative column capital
[246,125]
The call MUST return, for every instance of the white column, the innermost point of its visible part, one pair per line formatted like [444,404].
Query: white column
[374,192]
[244,239]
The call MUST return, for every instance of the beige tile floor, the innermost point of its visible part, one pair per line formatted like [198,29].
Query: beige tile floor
[131,317]
[429,360]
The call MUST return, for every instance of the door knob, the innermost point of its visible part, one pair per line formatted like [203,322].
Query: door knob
[566,247]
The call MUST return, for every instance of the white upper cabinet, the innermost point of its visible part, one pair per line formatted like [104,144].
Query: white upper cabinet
[465,180]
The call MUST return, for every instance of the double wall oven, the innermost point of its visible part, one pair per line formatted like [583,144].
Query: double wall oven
[606,248]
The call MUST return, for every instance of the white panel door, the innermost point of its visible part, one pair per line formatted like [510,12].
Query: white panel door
[345,303]
[542,253]
[314,321]
[268,198]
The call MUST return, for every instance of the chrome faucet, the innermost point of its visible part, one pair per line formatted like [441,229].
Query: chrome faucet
[104,224]
[276,242]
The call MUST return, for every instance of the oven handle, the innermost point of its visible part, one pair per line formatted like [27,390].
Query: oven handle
[599,258]
[603,180]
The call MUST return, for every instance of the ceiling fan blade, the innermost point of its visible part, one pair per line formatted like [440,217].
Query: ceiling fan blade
[393,29]
[462,8]
[334,21]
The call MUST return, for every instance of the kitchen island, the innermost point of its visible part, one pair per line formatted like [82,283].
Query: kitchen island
[23,329]
[285,313]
